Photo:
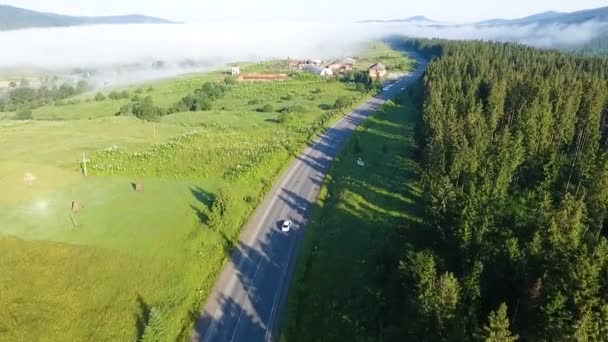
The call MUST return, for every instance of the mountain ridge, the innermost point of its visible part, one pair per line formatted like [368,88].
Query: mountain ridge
[15,18]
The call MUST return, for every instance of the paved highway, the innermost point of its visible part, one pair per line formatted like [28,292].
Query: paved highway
[247,301]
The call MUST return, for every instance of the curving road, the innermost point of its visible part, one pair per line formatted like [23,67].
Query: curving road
[247,300]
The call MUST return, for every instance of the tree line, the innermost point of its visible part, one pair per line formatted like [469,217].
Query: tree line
[514,154]
[25,97]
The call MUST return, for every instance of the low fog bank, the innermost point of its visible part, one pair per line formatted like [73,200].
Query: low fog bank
[110,54]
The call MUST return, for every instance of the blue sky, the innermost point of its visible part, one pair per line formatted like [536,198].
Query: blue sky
[343,10]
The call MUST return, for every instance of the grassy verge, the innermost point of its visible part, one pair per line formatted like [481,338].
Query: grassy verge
[341,285]
[134,253]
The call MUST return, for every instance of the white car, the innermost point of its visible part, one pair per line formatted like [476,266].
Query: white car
[286,226]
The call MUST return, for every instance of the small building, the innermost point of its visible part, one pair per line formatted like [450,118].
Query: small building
[317,70]
[306,62]
[341,66]
[235,71]
[377,70]
[349,62]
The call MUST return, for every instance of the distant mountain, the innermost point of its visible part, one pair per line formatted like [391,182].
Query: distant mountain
[14,18]
[412,20]
[526,20]
[546,18]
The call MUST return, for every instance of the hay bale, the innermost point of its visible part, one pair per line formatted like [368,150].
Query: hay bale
[76,207]
[138,186]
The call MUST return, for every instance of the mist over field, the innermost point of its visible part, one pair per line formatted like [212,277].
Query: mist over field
[127,53]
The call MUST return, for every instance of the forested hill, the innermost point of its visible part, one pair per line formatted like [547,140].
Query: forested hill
[13,18]
[515,175]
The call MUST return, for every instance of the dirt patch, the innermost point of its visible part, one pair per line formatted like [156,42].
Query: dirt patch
[262,77]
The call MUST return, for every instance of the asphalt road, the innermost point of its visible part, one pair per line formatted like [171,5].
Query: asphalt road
[247,301]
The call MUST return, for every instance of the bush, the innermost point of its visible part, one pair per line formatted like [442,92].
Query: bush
[115,95]
[297,108]
[146,110]
[287,97]
[342,102]
[126,109]
[361,87]
[24,114]
[317,91]
[139,91]
[100,97]
[155,327]
[230,80]
[254,102]
[192,103]
[267,108]
[151,89]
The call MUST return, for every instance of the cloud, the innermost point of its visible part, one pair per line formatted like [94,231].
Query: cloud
[123,53]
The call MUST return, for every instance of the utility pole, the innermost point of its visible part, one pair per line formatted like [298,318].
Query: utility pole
[84,165]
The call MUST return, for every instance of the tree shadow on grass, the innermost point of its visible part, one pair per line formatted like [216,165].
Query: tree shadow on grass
[142,318]
[205,199]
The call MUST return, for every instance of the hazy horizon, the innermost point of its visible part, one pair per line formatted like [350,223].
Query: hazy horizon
[195,12]
[111,47]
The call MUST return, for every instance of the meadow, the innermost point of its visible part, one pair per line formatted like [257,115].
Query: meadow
[341,291]
[98,273]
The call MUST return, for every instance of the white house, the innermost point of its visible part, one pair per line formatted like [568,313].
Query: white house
[318,70]
[236,71]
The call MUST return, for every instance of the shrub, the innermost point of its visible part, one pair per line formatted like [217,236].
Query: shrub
[139,90]
[155,327]
[361,87]
[316,91]
[126,109]
[192,103]
[100,97]
[230,80]
[267,108]
[285,118]
[342,102]
[150,89]
[24,114]
[114,95]
[254,102]
[287,97]
[146,110]
[297,108]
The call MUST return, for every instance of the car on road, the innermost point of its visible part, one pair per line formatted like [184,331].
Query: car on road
[286,226]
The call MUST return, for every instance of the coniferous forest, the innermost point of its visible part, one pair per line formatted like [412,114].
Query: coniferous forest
[514,156]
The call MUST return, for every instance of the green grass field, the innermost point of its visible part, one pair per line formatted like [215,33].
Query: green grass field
[96,273]
[355,234]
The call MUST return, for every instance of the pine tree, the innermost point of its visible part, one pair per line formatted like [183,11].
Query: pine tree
[497,329]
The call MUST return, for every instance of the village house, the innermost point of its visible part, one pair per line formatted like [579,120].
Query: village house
[377,70]
[307,62]
[318,70]
[235,71]
[345,65]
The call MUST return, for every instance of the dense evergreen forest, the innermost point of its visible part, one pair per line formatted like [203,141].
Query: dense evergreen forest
[515,175]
